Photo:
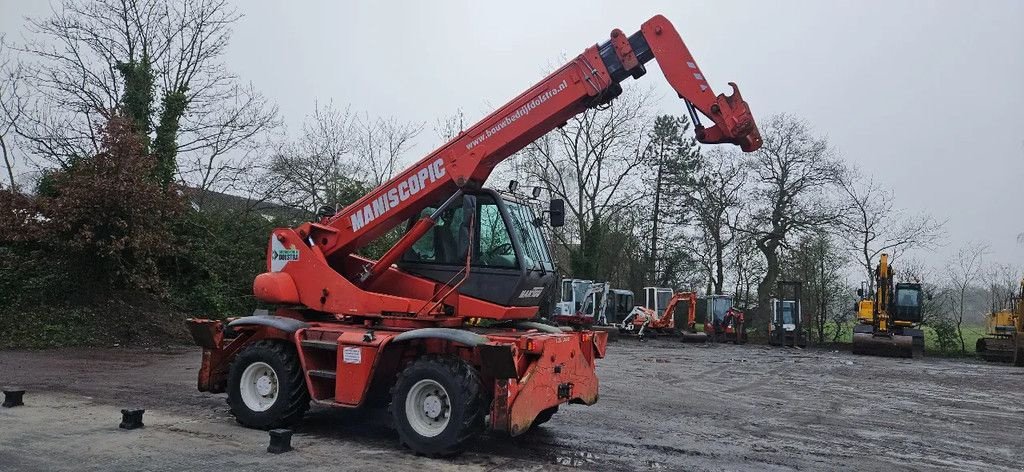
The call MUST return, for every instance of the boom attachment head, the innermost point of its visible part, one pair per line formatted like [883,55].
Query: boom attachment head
[733,123]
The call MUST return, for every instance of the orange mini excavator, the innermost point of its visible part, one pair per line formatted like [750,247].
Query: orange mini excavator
[659,317]
[348,331]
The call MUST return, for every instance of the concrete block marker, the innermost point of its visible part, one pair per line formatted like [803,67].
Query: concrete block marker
[280,441]
[13,397]
[131,419]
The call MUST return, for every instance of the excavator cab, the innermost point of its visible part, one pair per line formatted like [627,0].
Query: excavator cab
[906,305]
[620,305]
[574,294]
[657,298]
[510,262]
[786,327]
[723,321]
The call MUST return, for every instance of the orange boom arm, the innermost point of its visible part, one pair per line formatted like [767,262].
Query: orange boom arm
[591,79]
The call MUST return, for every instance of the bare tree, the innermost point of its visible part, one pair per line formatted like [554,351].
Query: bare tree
[338,157]
[939,304]
[791,171]
[1003,283]
[964,272]
[317,169]
[594,163]
[748,266]
[716,204]
[12,106]
[817,261]
[75,62]
[872,225]
[448,127]
[220,144]
[380,143]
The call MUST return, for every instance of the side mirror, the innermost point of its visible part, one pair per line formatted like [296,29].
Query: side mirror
[860,292]
[513,186]
[536,192]
[556,210]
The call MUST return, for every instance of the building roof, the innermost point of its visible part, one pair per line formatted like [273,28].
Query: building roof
[208,200]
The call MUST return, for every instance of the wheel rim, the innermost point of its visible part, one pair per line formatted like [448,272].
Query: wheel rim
[428,408]
[259,386]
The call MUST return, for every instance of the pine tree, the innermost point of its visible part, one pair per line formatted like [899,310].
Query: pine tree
[675,157]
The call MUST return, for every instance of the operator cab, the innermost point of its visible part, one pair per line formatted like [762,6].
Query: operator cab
[621,304]
[510,262]
[718,307]
[657,298]
[906,304]
[785,314]
[574,291]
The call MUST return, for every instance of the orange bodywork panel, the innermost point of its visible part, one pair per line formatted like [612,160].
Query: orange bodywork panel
[564,371]
[548,368]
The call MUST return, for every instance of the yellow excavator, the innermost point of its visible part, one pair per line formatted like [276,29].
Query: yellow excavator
[888,320]
[1004,333]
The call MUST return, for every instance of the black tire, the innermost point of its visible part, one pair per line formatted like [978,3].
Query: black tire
[292,400]
[465,398]
[1018,353]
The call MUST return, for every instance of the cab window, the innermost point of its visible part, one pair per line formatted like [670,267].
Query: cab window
[445,242]
[908,297]
[495,248]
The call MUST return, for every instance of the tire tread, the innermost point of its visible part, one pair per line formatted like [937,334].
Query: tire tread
[297,396]
[470,391]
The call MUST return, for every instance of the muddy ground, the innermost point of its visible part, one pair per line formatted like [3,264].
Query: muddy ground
[664,406]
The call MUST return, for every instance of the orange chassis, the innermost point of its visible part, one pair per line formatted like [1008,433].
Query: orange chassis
[528,368]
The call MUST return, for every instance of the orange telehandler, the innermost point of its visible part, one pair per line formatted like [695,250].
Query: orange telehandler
[349,331]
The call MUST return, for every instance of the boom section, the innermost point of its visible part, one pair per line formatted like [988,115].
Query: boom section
[590,79]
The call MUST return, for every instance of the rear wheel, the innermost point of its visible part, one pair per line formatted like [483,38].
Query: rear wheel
[266,388]
[437,405]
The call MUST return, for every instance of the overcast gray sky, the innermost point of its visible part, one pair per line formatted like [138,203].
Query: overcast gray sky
[925,95]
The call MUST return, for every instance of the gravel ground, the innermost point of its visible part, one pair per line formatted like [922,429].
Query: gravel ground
[664,406]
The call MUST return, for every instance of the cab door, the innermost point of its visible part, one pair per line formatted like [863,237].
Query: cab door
[480,231]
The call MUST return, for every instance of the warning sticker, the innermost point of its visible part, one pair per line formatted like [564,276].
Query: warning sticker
[352,355]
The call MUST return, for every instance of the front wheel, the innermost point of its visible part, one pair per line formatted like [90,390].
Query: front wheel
[437,405]
[266,388]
